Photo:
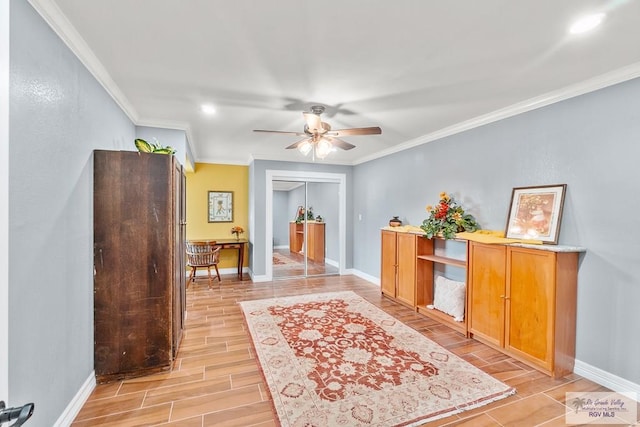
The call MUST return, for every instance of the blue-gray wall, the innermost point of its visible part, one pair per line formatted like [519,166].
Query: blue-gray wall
[58,114]
[175,138]
[592,144]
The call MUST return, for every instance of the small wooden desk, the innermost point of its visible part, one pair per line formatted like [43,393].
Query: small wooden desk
[232,244]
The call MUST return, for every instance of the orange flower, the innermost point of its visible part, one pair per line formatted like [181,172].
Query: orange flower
[237,230]
[447,218]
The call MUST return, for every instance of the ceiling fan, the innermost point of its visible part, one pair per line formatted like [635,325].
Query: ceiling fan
[319,137]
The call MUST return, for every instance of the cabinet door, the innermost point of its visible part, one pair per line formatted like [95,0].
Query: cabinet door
[406,260]
[319,246]
[487,280]
[315,242]
[388,264]
[310,243]
[531,305]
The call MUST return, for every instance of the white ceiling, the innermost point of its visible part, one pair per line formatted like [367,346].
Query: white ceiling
[418,69]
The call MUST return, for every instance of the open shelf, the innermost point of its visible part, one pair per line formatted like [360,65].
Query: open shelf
[444,318]
[444,260]
[425,271]
[409,262]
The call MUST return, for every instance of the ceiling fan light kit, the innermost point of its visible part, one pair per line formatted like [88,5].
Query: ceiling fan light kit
[323,148]
[320,139]
[305,147]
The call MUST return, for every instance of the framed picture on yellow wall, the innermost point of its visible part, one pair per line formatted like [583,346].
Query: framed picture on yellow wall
[220,206]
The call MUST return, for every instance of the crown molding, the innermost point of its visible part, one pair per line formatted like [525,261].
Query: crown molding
[600,82]
[54,17]
[329,160]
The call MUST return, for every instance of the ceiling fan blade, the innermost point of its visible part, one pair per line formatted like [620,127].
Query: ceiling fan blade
[314,124]
[280,131]
[341,144]
[356,131]
[297,144]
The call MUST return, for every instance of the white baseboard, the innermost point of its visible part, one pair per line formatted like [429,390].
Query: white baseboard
[607,379]
[374,280]
[74,407]
[262,278]
[231,270]
[332,262]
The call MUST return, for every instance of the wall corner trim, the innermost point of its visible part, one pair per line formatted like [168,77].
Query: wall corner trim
[373,280]
[607,379]
[75,405]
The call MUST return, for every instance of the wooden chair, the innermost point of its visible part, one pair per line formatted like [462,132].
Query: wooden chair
[203,255]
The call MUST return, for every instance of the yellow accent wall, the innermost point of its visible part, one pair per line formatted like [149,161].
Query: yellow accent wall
[216,177]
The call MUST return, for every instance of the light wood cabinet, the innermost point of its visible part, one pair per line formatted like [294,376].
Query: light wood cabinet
[520,299]
[427,260]
[315,247]
[315,242]
[523,301]
[139,279]
[398,267]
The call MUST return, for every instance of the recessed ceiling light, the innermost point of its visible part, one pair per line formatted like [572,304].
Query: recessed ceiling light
[586,23]
[208,109]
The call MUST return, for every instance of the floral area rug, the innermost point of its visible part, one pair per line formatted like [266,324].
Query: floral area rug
[280,259]
[334,359]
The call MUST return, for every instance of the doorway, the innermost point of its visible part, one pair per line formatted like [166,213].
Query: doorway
[305,224]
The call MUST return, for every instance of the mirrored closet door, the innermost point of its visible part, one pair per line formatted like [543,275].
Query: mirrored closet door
[305,229]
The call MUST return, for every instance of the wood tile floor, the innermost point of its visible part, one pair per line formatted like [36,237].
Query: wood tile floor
[216,380]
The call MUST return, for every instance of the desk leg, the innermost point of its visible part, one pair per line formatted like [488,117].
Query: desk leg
[240,260]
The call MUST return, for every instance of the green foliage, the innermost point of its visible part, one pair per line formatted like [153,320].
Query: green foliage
[146,147]
[302,215]
[447,218]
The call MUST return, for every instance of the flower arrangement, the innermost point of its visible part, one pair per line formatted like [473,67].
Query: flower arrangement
[447,218]
[302,216]
[237,230]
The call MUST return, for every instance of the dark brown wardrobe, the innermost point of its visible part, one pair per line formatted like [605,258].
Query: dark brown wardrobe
[139,266]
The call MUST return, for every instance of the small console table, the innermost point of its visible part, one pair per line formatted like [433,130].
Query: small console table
[237,244]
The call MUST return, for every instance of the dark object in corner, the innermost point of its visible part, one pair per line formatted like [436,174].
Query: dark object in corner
[20,413]
[395,222]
